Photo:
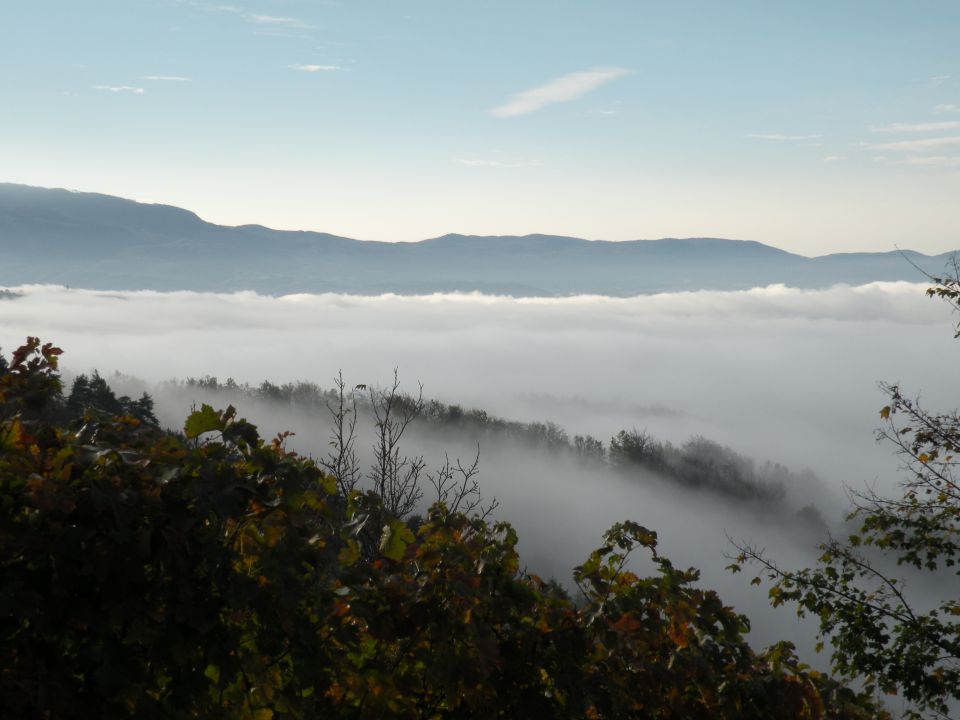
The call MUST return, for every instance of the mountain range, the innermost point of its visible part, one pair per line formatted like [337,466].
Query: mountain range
[105,242]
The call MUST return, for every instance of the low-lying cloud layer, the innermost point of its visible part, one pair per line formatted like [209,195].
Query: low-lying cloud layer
[773,368]
[778,374]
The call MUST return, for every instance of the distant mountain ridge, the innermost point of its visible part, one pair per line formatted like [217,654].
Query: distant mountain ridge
[105,242]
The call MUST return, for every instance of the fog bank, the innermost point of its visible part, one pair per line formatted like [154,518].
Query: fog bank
[776,373]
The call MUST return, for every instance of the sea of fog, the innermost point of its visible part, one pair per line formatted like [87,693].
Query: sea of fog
[775,373]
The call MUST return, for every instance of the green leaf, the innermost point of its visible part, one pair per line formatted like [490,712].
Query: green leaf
[328,484]
[206,419]
[395,538]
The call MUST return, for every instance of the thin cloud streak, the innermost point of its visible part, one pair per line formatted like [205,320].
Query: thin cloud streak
[120,89]
[316,68]
[778,136]
[167,78]
[948,108]
[918,127]
[932,161]
[918,145]
[562,89]
[496,163]
[277,21]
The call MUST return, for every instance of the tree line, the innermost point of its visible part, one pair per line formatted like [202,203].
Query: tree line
[699,463]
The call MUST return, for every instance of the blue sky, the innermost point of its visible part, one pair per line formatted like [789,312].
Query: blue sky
[815,126]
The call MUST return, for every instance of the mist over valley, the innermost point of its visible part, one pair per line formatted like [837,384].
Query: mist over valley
[776,374]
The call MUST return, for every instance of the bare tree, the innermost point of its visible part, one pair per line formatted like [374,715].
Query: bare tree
[341,460]
[395,477]
[456,486]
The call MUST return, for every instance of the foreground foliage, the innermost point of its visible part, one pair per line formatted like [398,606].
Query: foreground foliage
[901,633]
[212,574]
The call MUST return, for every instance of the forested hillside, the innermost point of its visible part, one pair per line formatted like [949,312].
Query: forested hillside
[697,464]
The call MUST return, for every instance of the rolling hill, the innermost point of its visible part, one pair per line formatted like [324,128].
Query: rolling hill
[105,242]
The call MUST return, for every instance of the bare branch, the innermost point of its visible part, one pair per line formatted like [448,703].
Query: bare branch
[341,461]
[395,478]
[457,487]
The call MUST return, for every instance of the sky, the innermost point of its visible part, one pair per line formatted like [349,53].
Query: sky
[816,127]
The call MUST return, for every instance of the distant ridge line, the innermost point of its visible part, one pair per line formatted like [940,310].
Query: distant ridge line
[100,241]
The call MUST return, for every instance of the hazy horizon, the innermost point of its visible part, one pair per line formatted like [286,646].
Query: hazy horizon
[453,232]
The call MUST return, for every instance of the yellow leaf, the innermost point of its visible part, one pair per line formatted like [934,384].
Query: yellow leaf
[885,412]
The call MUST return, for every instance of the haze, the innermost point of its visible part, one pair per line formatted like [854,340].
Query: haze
[777,374]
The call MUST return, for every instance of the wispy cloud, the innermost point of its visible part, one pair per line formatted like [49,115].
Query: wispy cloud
[948,108]
[167,78]
[778,136]
[938,80]
[120,89]
[561,89]
[210,7]
[918,145]
[275,21]
[316,68]
[497,163]
[933,161]
[608,111]
[918,127]
[834,158]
